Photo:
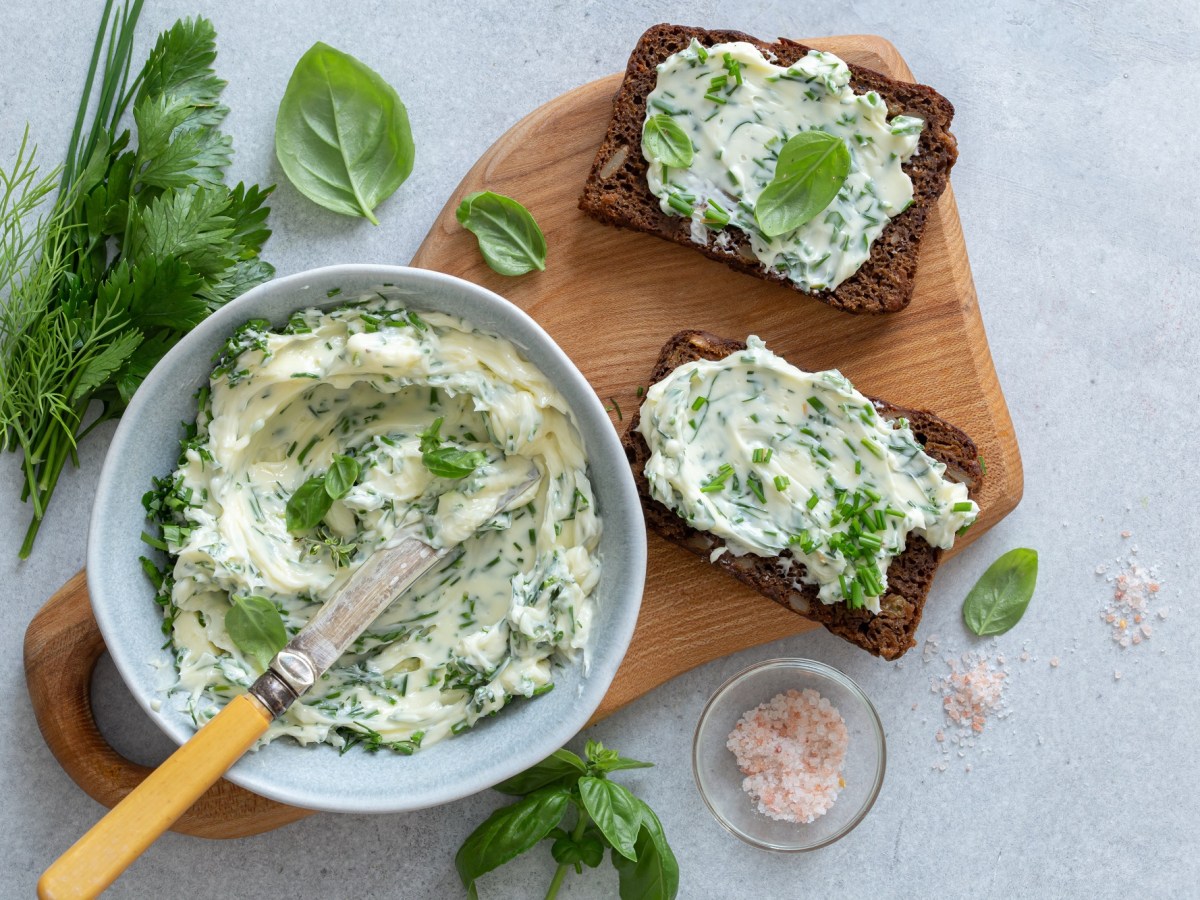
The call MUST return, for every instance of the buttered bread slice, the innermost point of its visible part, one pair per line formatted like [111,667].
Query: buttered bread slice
[833,504]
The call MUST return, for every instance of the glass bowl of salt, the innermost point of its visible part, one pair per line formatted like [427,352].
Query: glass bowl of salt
[789,755]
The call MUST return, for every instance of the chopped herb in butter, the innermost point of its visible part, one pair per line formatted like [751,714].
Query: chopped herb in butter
[396,424]
[739,111]
[771,459]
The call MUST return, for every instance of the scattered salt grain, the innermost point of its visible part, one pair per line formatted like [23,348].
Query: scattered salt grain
[1054,662]
[791,750]
[1134,587]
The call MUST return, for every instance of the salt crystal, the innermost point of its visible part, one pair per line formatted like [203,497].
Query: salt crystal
[1054,662]
[791,750]
[1116,674]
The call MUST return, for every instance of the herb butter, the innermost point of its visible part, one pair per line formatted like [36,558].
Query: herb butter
[739,109]
[368,381]
[773,459]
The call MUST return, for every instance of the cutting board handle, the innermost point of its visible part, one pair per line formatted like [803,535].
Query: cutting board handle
[62,645]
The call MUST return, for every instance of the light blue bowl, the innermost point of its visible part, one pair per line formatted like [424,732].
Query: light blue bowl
[147,445]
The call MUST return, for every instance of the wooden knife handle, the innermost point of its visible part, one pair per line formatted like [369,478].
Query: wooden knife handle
[62,645]
[108,848]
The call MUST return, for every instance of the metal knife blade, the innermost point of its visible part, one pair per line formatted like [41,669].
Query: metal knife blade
[383,577]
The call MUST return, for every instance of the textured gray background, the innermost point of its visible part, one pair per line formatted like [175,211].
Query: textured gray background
[1077,186]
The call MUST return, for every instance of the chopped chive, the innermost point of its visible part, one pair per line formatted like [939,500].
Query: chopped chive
[965,506]
[680,205]
[717,482]
[781,483]
[754,483]
[761,455]
[617,407]
[813,500]
[817,404]
[698,403]
[874,448]
[716,99]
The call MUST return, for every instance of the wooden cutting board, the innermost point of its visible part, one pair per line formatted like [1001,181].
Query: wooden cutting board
[611,299]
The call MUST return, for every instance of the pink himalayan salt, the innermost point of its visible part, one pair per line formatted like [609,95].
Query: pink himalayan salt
[791,750]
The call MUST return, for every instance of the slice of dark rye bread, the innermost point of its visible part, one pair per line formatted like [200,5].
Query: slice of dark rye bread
[890,632]
[616,191]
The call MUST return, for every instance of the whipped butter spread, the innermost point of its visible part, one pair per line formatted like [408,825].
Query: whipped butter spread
[739,110]
[772,459]
[366,380]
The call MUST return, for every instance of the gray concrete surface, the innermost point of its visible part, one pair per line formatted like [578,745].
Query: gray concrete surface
[1077,186]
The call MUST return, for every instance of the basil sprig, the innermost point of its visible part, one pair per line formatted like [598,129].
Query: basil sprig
[607,815]
[1002,594]
[509,239]
[342,134]
[256,627]
[447,461]
[311,501]
[811,169]
[665,142]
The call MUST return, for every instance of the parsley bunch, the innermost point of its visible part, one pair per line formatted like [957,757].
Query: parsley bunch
[607,816]
[142,242]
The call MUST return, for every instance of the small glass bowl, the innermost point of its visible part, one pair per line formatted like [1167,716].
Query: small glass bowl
[720,780]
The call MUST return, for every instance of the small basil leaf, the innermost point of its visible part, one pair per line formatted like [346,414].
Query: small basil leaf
[1002,594]
[343,472]
[654,875]
[615,812]
[255,626]
[509,238]
[509,832]
[561,764]
[602,759]
[450,462]
[431,437]
[811,169]
[665,142]
[308,505]
[342,134]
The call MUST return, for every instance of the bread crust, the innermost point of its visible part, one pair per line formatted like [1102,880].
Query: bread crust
[616,191]
[890,632]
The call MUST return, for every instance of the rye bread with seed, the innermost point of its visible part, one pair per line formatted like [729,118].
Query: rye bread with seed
[616,191]
[888,633]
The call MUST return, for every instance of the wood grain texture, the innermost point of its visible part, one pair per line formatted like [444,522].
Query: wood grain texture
[62,645]
[611,299]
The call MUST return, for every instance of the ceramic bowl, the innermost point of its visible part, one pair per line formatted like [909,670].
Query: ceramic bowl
[147,444]
[720,781]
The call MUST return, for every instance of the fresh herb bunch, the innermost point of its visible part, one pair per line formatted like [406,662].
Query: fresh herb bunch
[143,241]
[607,815]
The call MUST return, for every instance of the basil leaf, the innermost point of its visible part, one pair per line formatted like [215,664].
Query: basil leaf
[509,238]
[308,505]
[812,168]
[665,142]
[615,812]
[654,875]
[602,759]
[588,850]
[509,832]
[450,462]
[1002,594]
[255,626]
[560,765]
[615,765]
[343,472]
[342,133]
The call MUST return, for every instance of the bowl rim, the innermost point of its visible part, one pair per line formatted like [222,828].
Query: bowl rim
[813,667]
[602,442]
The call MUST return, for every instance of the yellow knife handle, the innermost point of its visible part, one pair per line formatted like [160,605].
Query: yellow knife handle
[113,843]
